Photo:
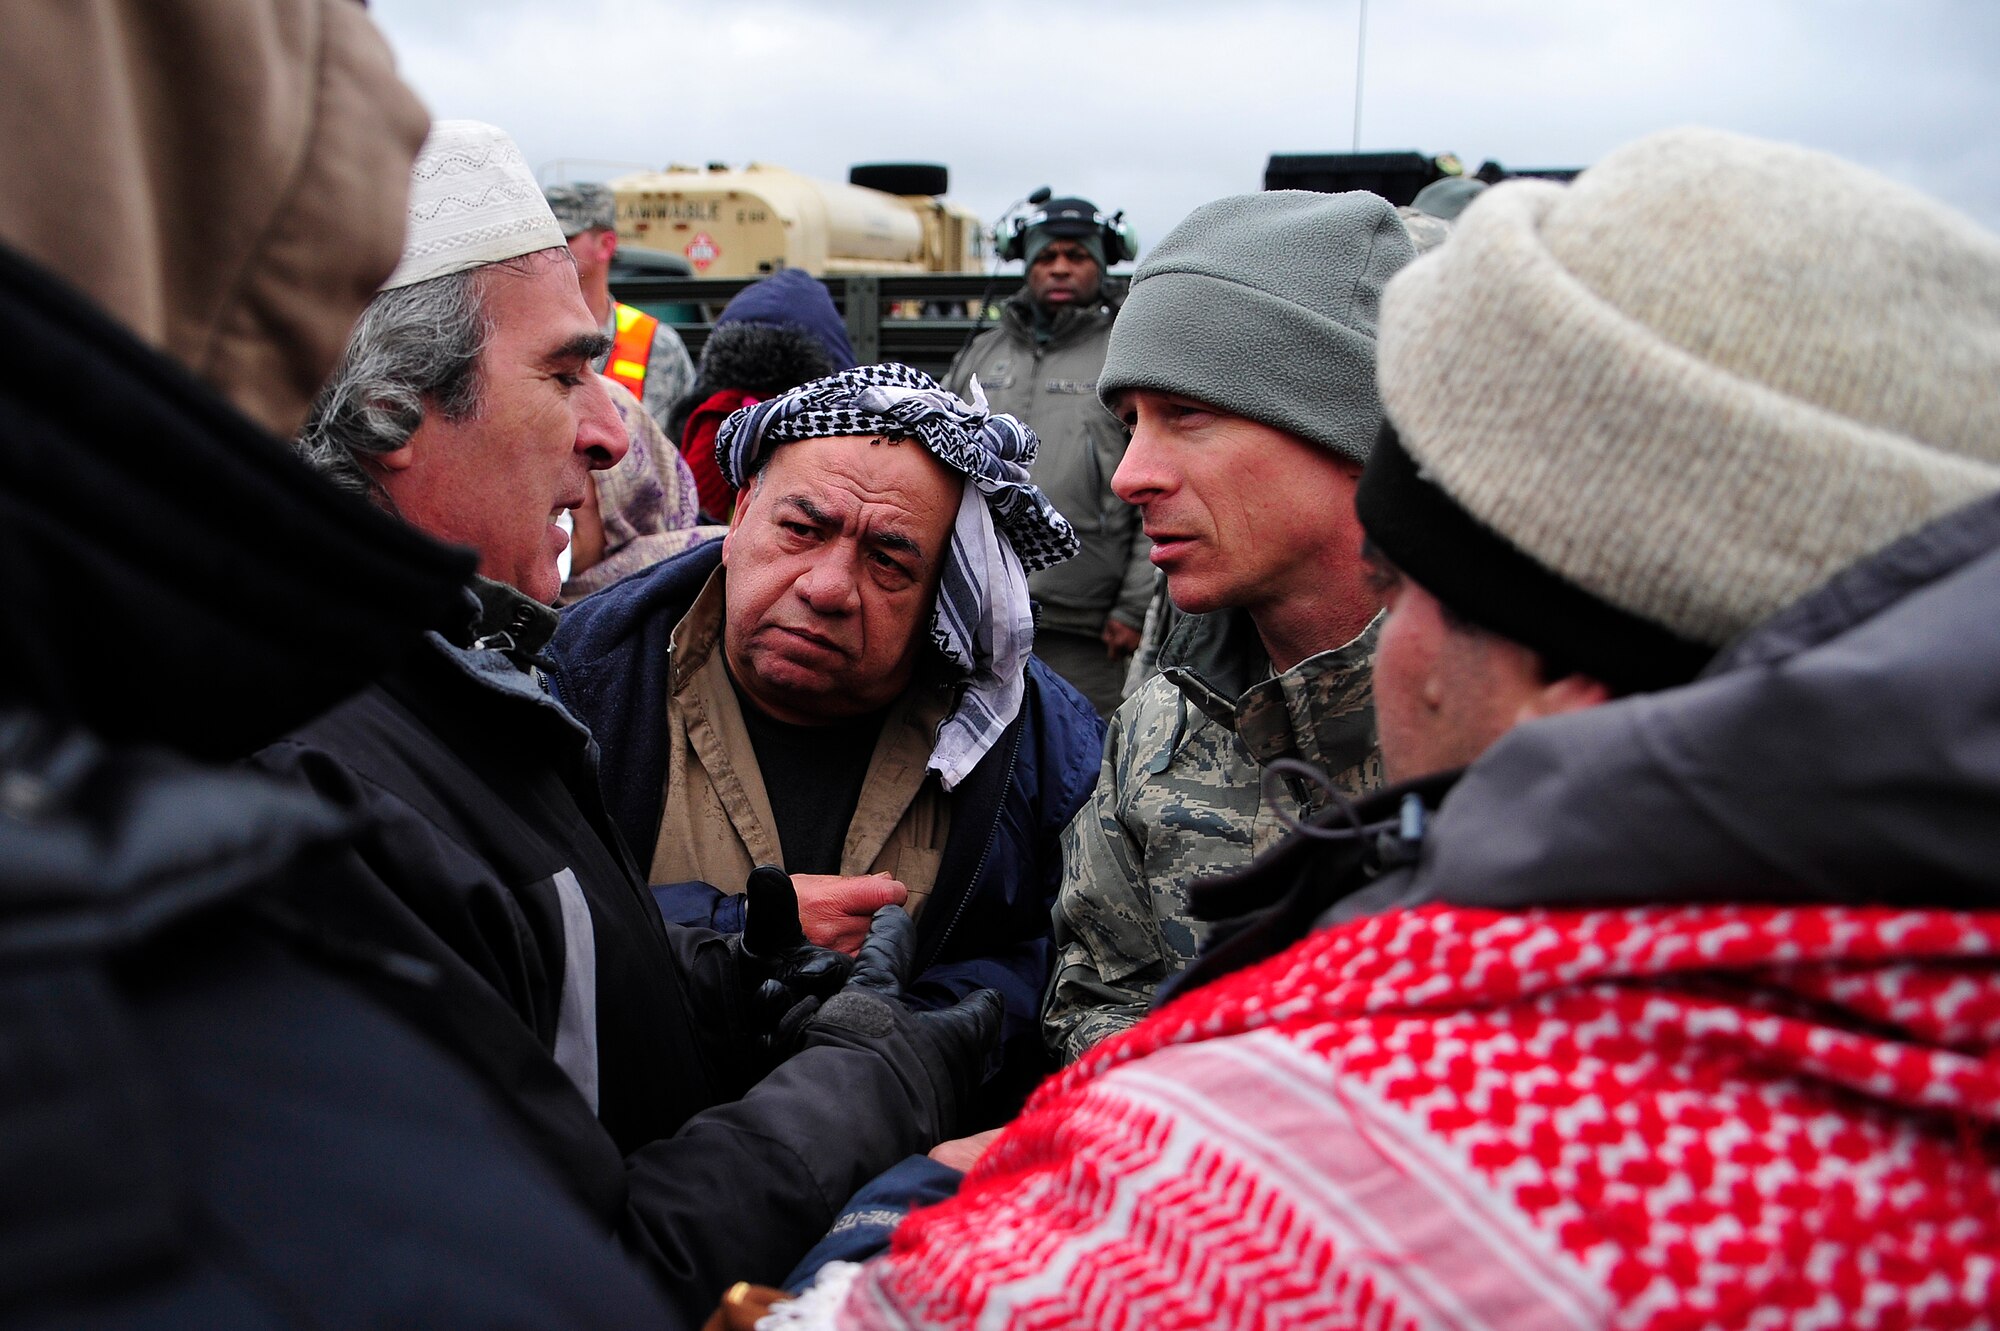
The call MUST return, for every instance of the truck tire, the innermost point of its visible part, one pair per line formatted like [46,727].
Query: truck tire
[901,177]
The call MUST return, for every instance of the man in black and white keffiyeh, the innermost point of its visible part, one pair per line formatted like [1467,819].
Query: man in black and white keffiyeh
[845,687]
[1005,528]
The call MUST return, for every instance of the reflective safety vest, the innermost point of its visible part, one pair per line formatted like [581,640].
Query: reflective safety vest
[631,348]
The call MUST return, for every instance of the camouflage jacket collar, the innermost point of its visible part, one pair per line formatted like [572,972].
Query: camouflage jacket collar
[1321,710]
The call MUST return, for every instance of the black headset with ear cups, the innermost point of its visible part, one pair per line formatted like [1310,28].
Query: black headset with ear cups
[1119,242]
[1010,241]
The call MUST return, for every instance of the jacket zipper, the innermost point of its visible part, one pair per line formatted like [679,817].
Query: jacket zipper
[986,851]
[1097,482]
[1094,465]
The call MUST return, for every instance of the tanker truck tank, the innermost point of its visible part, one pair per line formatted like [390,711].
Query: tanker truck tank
[756,220]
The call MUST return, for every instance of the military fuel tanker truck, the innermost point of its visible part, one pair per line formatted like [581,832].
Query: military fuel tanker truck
[730,222]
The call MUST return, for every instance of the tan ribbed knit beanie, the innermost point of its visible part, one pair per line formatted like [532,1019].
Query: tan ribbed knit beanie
[1702,378]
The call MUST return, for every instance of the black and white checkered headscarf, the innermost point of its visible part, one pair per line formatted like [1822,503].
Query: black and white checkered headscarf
[1005,525]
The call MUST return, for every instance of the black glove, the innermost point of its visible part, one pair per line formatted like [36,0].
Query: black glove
[788,977]
[940,1054]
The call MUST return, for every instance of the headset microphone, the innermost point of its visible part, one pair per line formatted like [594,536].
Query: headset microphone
[1003,233]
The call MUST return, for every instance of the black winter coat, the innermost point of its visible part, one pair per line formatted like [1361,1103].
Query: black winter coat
[206,1122]
[491,859]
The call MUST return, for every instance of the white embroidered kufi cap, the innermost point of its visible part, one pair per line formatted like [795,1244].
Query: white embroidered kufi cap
[473,201]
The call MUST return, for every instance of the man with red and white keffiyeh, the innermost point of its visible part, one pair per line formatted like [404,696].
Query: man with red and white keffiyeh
[1680,1006]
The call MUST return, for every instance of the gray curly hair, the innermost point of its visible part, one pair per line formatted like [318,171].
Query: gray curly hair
[415,348]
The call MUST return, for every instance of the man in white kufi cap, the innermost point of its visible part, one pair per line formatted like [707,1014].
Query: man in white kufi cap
[466,402]
[466,405]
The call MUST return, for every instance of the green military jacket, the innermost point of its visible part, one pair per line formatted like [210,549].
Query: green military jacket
[1179,797]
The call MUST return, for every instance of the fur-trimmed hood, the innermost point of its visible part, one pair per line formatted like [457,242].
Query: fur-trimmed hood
[761,359]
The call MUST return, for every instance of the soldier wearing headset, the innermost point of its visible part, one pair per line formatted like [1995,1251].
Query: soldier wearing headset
[1040,363]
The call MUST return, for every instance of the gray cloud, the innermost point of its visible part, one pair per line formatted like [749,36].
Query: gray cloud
[1158,107]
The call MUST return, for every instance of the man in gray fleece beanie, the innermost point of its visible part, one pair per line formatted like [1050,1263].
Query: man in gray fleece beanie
[1243,362]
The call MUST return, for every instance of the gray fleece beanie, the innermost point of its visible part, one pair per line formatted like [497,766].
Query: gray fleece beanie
[1264,305]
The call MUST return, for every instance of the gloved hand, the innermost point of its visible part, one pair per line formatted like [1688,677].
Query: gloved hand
[790,977]
[940,1054]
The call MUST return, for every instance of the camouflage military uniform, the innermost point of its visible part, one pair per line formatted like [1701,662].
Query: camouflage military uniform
[1178,798]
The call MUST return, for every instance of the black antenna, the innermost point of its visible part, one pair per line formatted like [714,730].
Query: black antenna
[1360,62]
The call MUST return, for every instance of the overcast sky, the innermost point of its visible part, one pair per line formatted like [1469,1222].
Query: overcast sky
[1158,107]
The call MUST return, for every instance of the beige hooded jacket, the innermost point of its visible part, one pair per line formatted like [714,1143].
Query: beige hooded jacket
[146,182]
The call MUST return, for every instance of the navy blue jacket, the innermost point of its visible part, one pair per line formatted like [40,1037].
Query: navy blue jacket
[987,923]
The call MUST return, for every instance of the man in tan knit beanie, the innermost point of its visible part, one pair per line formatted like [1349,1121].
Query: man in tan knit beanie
[1630,418]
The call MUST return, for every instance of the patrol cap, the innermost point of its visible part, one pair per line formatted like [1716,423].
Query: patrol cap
[585,207]
[1446,199]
